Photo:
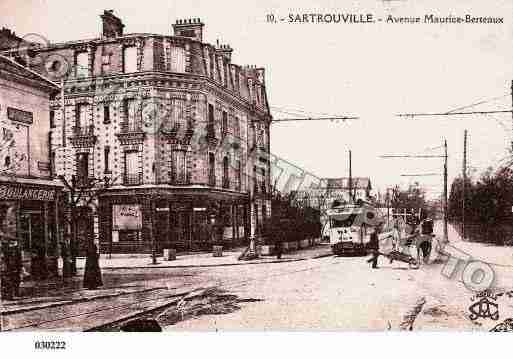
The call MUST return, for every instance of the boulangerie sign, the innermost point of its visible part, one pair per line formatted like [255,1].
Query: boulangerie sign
[126,216]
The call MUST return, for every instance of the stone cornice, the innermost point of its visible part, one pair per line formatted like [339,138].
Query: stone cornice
[160,81]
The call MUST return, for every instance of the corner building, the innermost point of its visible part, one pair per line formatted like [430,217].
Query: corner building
[179,132]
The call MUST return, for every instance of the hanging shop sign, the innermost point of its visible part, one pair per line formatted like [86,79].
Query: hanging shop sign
[126,217]
[20,192]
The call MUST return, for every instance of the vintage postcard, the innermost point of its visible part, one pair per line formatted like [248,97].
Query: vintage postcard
[178,166]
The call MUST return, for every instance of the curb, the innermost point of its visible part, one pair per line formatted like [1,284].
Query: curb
[207,265]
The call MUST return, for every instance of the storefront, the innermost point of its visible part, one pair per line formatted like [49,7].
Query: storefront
[29,215]
[139,220]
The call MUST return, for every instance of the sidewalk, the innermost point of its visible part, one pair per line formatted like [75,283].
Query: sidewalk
[229,258]
[117,281]
[485,252]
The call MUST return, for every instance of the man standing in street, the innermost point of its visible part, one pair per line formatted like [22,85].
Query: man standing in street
[374,245]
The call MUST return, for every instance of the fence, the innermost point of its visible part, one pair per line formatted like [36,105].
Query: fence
[500,234]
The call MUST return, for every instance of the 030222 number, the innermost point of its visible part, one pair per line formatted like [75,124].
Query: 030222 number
[49,345]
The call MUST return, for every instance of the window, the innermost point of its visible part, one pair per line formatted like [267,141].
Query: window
[132,175]
[239,175]
[82,64]
[52,163]
[106,63]
[179,174]
[132,122]
[224,124]
[237,127]
[226,179]
[106,159]
[106,114]
[210,126]
[178,59]
[130,59]
[82,119]
[52,119]
[211,169]
[82,169]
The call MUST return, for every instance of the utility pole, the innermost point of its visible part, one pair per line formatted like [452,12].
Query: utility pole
[464,183]
[445,192]
[350,185]
[512,112]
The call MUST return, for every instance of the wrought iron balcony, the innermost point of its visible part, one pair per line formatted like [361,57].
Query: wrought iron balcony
[83,136]
[131,127]
[131,133]
[132,179]
[179,179]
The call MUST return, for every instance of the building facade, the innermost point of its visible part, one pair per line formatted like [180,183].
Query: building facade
[29,198]
[170,136]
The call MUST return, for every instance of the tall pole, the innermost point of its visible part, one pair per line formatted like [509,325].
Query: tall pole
[464,183]
[445,192]
[512,112]
[350,179]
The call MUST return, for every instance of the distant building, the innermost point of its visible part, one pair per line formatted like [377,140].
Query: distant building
[178,131]
[29,197]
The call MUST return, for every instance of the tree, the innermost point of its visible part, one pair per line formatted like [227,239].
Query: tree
[82,194]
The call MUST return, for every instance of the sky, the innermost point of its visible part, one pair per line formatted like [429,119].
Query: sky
[372,71]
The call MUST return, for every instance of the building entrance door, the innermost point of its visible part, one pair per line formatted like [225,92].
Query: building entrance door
[180,229]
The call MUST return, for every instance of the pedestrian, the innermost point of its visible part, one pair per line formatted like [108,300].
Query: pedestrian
[92,273]
[278,238]
[374,245]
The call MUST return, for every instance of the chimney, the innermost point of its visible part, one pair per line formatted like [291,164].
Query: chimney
[112,26]
[224,50]
[192,28]
[8,39]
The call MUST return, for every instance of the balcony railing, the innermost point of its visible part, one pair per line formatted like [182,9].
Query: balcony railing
[179,179]
[132,179]
[130,127]
[83,130]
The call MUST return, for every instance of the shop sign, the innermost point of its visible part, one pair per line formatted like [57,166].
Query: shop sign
[164,209]
[20,192]
[126,217]
[196,209]
[19,115]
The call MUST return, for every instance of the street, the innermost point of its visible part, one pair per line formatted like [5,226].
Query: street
[321,292]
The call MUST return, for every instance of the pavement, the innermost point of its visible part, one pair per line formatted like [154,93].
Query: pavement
[131,274]
[492,254]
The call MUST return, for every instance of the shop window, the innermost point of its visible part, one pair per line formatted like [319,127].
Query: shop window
[82,63]
[130,59]
[129,236]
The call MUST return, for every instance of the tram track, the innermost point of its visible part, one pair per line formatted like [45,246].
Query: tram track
[154,300]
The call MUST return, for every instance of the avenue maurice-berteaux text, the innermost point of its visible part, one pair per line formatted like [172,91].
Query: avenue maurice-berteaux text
[357,18]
